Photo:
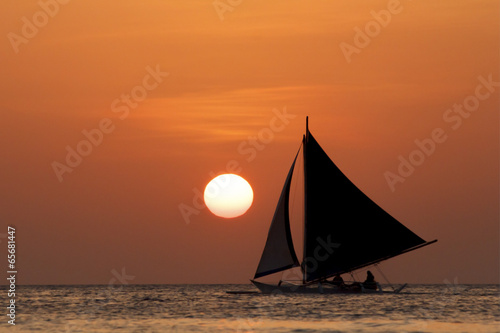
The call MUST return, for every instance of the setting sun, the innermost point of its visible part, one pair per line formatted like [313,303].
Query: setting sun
[228,195]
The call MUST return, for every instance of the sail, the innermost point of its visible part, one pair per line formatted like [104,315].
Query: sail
[344,229]
[279,253]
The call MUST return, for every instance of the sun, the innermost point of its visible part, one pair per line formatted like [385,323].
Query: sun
[228,195]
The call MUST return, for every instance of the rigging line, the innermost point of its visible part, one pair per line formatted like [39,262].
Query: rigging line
[298,178]
[385,278]
[295,190]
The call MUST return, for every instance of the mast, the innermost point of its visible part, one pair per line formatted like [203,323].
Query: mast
[304,140]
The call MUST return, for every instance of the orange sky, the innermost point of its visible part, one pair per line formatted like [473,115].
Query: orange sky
[119,207]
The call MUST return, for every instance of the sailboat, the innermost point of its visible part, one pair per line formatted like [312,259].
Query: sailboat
[344,230]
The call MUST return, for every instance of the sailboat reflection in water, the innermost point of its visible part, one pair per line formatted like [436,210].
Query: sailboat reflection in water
[344,230]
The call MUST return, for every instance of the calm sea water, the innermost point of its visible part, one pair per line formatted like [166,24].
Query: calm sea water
[208,308]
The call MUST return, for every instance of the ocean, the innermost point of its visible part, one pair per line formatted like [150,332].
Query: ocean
[208,308]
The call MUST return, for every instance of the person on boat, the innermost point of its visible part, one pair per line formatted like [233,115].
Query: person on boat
[338,281]
[370,281]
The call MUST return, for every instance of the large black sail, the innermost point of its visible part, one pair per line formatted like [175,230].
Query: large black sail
[279,253]
[344,229]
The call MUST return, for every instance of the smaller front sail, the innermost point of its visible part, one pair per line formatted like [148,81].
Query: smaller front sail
[279,253]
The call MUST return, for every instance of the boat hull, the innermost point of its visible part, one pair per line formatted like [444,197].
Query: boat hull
[319,288]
